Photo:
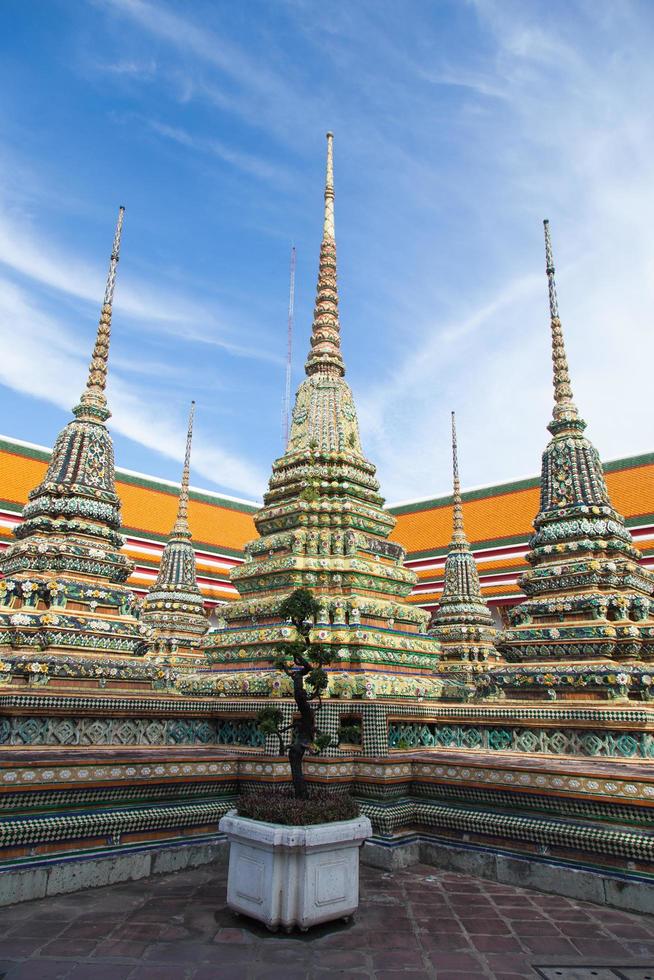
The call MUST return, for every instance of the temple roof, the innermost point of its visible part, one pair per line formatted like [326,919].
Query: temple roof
[498,520]
[503,513]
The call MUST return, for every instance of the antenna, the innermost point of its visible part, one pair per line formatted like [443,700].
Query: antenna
[286,412]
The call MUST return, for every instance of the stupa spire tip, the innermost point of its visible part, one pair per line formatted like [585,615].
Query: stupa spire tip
[93,403]
[457,509]
[113,262]
[564,407]
[181,527]
[325,356]
[329,230]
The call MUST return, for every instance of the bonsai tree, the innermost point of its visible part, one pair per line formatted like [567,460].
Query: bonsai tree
[304,662]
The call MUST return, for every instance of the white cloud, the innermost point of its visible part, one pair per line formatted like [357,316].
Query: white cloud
[257,91]
[144,70]
[151,425]
[456,150]
[27,252]
[246,162]
[548,125]
[573,141]
[46,364]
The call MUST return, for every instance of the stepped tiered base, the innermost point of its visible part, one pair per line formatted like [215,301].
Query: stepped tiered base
[558,796]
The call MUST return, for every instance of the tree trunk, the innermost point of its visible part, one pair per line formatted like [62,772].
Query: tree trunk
[295,757]
[305,730]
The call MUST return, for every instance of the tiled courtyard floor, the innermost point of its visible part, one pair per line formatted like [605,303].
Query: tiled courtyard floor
[416,923]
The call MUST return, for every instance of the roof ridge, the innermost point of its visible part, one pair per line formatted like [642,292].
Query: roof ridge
[445,498]
[123,470]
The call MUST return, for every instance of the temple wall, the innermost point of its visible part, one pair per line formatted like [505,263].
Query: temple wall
[86,816]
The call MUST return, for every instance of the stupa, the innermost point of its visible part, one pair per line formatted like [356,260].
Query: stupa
[323,527]
[463,623]
[65,611]
[174,607]
[588,600]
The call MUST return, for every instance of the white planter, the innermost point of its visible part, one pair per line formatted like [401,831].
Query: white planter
[294,876]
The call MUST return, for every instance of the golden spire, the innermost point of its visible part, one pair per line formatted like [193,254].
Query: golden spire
[93,403]
[181,528]
[325,355]
[459,534]
[564,407]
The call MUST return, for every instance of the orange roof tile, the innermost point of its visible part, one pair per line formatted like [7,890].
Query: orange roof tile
[149,507]
[147,510]
[499,516]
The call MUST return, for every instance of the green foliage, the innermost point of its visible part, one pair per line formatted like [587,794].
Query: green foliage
[290,653]
[317,680]
[299,606]
[321,655]
[350,733]
[304,662]
[269,720]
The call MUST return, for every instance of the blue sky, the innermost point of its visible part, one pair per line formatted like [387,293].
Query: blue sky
[458,127]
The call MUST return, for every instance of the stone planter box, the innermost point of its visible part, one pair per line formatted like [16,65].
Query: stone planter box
[294,876]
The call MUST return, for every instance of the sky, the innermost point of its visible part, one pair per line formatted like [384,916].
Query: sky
[459,125]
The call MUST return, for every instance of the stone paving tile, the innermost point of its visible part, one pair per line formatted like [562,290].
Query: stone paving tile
[417,923]
[42,970]
[70,948]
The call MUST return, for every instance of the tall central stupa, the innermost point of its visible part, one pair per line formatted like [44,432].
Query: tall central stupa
[323,527]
